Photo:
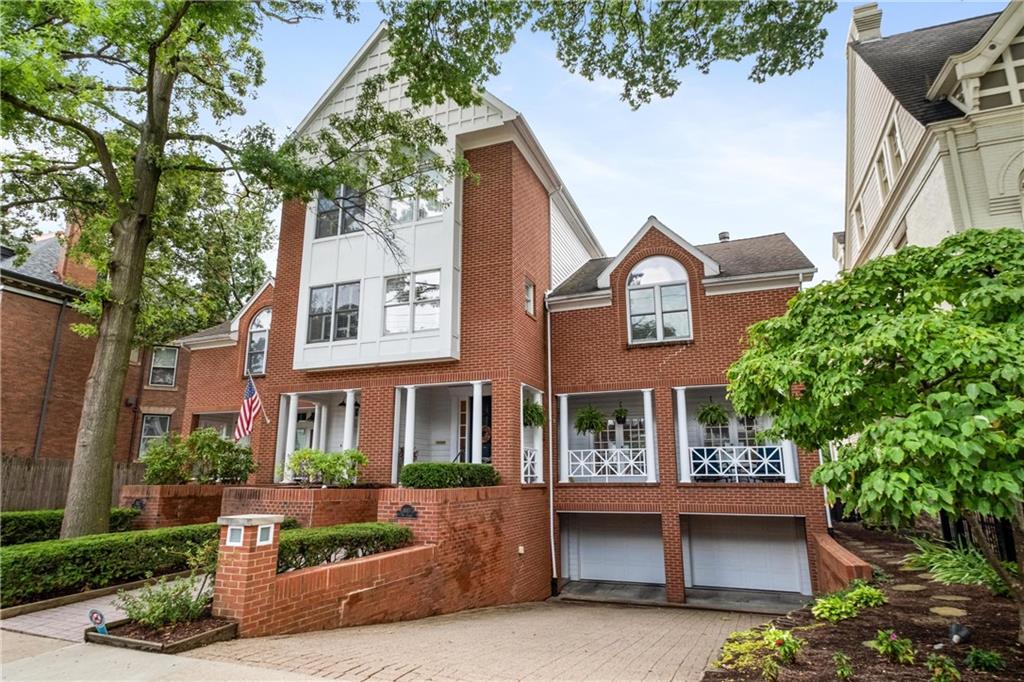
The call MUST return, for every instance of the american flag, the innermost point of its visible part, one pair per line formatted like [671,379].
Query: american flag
[251,407]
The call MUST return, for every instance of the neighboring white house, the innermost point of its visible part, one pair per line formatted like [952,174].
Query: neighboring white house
[934,132]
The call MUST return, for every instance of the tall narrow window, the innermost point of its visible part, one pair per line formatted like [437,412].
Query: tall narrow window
[858,222]
[164,366]
[346,311]
[658,301]
[342,214]
[412,302]
[529,294]
[321,308]
[426,312]
[154,427]
[256,348]
[895,148]
[883,175]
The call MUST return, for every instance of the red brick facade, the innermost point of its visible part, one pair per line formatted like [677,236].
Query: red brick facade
[309,506]
[172,505]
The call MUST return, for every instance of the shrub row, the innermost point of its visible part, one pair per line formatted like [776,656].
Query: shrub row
[40,570]
[305,547]
[448,475]
[19,527]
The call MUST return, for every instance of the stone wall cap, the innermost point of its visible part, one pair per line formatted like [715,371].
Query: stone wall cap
[250,519]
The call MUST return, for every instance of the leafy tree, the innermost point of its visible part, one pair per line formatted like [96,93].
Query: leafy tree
[914,364]
[121,115]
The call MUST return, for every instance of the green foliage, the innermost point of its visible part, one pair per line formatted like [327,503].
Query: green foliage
[19,527]
[307,547]
[942,668]
[919,354]
[712,414]
[533,414]
[848,602]
[448,475]
[844,666]
[958,565]
[761,651]
[44,569]
[620,414]
[590,420]
[165,603]
[327,468]
[890,645]
[204,456]
[984,660]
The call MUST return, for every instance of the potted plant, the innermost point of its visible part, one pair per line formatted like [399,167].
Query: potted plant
[712,414]
[620,414]
[590,420]
[533,414]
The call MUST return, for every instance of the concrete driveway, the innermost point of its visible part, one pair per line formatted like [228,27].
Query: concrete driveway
[538,641]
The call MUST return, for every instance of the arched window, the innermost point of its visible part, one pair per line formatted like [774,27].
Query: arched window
[256,348]
[658,300]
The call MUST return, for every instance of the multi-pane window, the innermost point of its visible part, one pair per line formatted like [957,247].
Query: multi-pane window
[747,429]
[895,149]
[342,214]
[632,435]
[333,309]
[154,427]
[412,302]
[256,348]
[858,222]
[164,366]
[409,209]
[883,175]
[529,294]
[658,300]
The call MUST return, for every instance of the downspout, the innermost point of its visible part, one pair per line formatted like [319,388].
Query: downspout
[135,407]
[54,348]
[551,456]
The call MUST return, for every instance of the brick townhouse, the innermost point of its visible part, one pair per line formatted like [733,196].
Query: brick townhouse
[44,365]
[505,296]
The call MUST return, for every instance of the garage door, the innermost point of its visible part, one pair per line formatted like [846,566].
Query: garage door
[746,552]
[614,547]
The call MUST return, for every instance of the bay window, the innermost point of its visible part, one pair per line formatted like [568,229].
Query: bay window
[658,301]
[412,302]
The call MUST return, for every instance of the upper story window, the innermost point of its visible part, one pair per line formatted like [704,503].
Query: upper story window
[858,223]
[894,149]
[529,296]
[883,175]
[163,367]
[256,347]
[658,301]
[412,302]
[406,210]
[1003,84]
[333,312]
[342,214]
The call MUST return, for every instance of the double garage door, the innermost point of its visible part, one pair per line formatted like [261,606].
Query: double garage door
[734,552]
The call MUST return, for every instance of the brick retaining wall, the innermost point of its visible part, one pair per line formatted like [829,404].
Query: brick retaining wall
[173,505]
[837,566]
[309,506]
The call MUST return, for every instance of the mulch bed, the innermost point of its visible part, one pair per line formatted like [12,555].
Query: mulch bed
[992,620]
[169,633]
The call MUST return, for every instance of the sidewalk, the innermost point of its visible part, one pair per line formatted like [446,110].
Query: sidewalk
[66,622]
[87,662]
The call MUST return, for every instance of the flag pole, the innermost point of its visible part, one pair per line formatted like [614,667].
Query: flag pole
[248,375]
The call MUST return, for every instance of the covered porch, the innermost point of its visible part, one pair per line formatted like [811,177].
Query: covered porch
[623,450]
[322,420]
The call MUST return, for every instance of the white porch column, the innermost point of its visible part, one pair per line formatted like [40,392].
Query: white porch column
[289,438]
[650,447]
[478,422]
[410,424]
[317,426]
[282,429]
[348,436]
[324,415]
[789,461]
[538,440]
[563,438]
[685,473]
[394,434]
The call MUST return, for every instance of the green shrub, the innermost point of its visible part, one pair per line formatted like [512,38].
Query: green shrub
[164,603]
[864,596]
[204,457]
[958,565]
[942,668]
[844,666]
[984,660]
[896,649]
[307,547]
[19,527]
[327,468]
[448,475]
[848,602]
[45,569]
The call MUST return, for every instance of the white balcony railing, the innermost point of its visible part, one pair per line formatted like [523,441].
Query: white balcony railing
[618,464]
[530,466]
[738,463]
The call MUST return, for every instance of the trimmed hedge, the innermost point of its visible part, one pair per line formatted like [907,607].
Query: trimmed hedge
[306,547]
[448,475]
[19,527]
[51,568]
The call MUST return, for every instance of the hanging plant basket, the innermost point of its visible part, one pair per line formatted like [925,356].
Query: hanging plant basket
[533,414]
[590,420]
[712,414]
[620,414]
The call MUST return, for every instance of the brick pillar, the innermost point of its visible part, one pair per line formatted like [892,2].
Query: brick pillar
[670,537]
[246,568]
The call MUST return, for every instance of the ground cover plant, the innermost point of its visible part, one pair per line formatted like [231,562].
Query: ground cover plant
[847,603]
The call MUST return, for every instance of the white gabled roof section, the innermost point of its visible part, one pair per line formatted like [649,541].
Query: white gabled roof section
[711,268]
[976,61]
[248,304]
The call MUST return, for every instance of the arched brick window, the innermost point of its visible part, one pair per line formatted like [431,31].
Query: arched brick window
[658,301]
[256,346]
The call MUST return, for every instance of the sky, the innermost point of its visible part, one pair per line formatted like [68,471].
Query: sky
[723,154]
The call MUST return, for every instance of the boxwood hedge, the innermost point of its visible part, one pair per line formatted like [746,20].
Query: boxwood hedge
[19,527]
[305,547]
[448,475]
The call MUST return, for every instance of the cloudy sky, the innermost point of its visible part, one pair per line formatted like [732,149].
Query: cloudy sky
[722,154]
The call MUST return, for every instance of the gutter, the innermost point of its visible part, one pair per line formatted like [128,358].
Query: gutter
[53,287]
[551,457]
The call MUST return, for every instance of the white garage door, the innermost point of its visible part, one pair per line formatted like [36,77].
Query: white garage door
[746,552]
[615,547]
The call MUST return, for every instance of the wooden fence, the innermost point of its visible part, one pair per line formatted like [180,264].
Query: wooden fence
[43,483]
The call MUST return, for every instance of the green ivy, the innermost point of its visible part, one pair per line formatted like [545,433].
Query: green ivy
[19,527]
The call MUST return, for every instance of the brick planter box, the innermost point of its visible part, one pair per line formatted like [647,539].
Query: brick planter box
[309,506]
[172,505]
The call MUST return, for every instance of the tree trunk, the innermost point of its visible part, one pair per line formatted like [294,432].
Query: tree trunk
[1015,584]
[89,494]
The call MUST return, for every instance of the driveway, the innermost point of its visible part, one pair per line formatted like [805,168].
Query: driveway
[537,641]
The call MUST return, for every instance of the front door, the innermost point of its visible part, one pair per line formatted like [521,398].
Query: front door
[304,431]
[465,429]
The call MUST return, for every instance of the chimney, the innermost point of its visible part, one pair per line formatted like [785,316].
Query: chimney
[723,236]
[867,23]
[69,269]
